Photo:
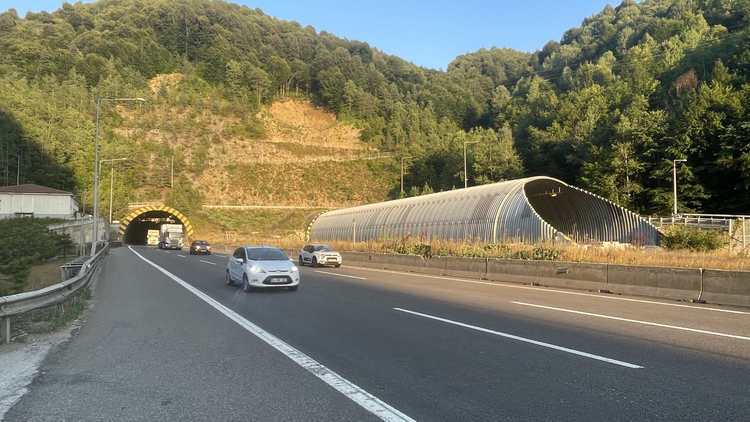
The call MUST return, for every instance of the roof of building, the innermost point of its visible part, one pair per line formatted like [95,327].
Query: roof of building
[31,188]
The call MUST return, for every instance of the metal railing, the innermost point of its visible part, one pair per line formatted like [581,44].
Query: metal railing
[18,304]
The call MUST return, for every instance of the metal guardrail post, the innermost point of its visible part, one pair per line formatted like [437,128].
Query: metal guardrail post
[5,330]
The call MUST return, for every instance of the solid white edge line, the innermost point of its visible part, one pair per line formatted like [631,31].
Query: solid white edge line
[207,262]
[635,321]
[525,340]
[344,386]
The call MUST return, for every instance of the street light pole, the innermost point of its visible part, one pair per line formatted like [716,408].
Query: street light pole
[96,168]
[674,179]
[111,181]
[402,175]
[466,175]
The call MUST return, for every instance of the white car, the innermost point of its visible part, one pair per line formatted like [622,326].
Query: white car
[318,254]
[262,267]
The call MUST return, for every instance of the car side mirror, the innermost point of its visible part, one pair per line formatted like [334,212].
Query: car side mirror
[239,260]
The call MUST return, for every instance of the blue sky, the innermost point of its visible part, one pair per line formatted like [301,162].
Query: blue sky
[426,33]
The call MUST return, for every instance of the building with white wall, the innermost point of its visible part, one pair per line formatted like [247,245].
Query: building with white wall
[38,201]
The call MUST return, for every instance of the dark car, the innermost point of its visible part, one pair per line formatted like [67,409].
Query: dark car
[200,246]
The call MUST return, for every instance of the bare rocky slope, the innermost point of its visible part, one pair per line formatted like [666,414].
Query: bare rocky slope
[288,154]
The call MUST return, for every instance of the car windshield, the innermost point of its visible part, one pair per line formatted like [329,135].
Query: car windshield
[201,243]
[324,248]
[267,254]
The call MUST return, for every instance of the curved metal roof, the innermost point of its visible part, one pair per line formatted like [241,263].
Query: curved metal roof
[528,210]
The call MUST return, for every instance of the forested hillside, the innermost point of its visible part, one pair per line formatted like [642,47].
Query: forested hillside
[607,108]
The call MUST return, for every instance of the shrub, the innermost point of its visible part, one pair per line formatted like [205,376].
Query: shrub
[678,237]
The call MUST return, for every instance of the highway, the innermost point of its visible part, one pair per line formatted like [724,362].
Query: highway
[166,339]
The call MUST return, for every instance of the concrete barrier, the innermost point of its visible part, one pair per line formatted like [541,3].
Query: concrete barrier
[715,286]
[573,275]
[668,282]
[512,270]
[403,262]
[726,287]
[465,267]
[362,259]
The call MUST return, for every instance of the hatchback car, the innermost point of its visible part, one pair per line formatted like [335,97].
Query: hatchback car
[200,246]
[318,254]
[261,267]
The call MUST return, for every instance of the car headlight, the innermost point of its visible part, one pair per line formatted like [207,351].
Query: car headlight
[257,269]
[294,269]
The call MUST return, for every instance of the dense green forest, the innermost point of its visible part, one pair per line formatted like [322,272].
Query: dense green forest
[607,108]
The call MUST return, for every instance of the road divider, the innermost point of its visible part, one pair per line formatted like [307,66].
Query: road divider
[726,287]
[686,284]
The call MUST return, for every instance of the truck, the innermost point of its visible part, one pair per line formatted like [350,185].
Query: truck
[170,236]
[152,237]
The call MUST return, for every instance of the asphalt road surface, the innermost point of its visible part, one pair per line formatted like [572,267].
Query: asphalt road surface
[166,339]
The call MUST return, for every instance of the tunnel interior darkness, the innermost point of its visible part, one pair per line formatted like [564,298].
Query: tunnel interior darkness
[136,230]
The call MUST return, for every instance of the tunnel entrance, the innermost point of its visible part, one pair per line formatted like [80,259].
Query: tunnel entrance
[134,228]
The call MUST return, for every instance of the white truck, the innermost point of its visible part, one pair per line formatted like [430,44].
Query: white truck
[152,237]
[170,236]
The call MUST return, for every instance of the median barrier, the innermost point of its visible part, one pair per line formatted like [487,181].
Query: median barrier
[413,263]
[512,270]
[574,275]
[667,282]
[692,284]
[358,258]
[465,267]
[726,287]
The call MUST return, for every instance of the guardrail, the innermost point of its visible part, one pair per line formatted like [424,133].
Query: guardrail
[21,303]
[684,284]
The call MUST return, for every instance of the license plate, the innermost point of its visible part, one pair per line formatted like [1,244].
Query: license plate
[278,280]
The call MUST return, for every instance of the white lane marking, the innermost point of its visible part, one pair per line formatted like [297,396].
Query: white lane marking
[525,340]
[635,321]
[500,283]
[182,256]
[341,275]
[207,262]
[342,385]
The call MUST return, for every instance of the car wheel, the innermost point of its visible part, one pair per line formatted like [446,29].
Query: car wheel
[230,282]
[301,262]
[315,262]
[208,253]
[246,284]
[191,251]
[338,265]
[293,288]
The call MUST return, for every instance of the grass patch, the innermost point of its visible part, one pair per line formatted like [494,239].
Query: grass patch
[628,255]
[45,274]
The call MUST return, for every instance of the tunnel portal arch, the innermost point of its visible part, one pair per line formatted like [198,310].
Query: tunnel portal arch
[135,226]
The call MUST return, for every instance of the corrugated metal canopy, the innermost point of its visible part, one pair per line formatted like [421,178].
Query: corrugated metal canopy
[528,210]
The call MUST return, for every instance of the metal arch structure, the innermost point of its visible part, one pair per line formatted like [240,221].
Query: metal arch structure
[156,209]
[531,210]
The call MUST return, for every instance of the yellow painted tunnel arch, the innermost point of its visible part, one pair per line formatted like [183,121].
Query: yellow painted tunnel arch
[156,209]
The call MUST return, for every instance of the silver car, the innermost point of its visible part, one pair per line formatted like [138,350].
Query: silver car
[261,267]
[318,254]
